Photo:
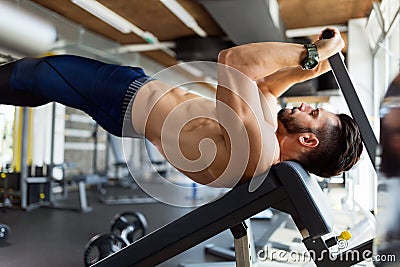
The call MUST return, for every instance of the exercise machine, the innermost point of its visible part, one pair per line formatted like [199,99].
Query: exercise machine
[82,180]
[276,220]
[353,102]
[134,194]
[287,187]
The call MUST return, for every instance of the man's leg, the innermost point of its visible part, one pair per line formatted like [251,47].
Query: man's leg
[9,96]
[92,86]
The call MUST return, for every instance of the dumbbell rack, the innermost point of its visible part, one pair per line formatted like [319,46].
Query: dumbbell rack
[23,189]
[29,190]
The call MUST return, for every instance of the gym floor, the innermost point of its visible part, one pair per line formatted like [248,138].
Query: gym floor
[52,237]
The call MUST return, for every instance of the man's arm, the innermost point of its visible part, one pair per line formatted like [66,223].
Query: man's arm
[258,60]
[280,81]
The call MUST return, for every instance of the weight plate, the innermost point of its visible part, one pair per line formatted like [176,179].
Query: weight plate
[130,226]
[101,246]
[4,233]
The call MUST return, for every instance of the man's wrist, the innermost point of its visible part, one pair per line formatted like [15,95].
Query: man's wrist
[322,50]
[303,55]
[312,59]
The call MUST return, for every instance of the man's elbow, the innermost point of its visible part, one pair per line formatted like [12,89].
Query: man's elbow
[225,56]
[234,58]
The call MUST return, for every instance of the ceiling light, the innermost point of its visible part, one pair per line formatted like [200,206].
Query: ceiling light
[184,16]
[145,47]
[108,16]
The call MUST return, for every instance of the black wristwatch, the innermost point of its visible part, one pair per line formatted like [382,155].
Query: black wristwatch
[312,59]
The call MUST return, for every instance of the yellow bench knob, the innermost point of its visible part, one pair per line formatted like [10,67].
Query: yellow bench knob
[345,235]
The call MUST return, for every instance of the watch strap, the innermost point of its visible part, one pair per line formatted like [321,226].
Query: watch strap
[312,57]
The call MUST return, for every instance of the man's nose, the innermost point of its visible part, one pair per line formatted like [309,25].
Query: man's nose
[305,107]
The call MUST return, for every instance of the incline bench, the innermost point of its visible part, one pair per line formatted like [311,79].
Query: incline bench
[287,187]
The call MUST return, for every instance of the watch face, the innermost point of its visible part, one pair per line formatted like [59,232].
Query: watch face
[310,64]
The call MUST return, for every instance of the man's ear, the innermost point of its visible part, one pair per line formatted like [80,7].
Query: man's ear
[308,140]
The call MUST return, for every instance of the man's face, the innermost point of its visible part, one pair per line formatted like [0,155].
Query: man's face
[304,118]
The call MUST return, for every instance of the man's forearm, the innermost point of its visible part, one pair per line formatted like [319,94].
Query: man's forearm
[280,81]
[258,60]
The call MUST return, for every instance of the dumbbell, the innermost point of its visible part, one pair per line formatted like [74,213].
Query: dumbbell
[126,228]
[130,226]
[4,233]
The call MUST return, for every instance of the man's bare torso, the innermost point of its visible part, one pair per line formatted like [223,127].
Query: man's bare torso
[185,129]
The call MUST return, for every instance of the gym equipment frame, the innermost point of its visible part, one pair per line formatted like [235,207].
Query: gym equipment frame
[287,187]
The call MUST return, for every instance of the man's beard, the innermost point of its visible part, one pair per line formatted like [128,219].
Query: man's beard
[291,124]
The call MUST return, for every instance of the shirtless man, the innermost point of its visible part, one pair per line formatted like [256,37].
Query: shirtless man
[220,142]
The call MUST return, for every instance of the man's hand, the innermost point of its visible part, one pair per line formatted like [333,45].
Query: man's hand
[329,47]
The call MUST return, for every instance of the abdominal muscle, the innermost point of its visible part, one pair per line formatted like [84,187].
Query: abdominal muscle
[185,129]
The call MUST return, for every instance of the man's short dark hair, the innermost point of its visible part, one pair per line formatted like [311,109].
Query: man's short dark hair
[339,148]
